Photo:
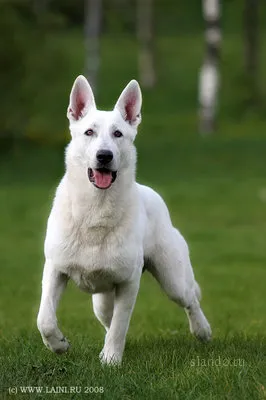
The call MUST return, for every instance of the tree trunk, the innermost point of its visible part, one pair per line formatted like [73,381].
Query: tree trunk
[251,27]
[209,72]
[93,20]
[145,33]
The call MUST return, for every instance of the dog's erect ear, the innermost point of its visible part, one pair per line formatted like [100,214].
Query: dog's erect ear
[81,99]
[129,103]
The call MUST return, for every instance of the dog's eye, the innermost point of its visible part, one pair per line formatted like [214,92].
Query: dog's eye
[117,134]
[89,132]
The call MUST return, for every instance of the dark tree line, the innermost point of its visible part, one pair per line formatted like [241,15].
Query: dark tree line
[24,24]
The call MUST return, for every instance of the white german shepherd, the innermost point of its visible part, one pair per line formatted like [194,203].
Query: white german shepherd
[104,226]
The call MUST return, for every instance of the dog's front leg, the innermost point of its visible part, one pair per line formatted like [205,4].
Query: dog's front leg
[125,298]
[53,284]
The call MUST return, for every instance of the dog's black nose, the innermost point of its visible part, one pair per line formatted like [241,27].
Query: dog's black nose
[104,156]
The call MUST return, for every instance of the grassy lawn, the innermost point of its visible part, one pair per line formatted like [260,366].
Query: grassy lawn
[216,192]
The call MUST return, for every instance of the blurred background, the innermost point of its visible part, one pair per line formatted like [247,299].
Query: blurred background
[167,45]
[202,142]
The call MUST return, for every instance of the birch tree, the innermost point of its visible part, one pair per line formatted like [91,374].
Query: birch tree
[93,22]
[251,44]
[145,33]
[209,72]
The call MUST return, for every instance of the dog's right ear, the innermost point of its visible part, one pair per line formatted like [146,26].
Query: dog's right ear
[129,103]
[81,99]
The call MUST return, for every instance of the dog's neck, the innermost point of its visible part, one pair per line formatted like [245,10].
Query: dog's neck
[99,206]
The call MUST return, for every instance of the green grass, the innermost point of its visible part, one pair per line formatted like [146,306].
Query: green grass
[215,189]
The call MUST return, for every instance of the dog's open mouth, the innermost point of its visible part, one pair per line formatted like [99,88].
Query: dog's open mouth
[102,178]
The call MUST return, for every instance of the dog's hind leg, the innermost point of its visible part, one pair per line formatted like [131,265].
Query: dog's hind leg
[103,306]
[173,270]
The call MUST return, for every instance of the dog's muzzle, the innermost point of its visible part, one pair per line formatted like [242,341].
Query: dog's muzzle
[102,178]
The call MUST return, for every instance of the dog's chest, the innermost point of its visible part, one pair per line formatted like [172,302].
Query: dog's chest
[93,281]
[96,258]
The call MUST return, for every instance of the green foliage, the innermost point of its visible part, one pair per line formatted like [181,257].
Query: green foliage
[27,72]
[14,34]
[41,55]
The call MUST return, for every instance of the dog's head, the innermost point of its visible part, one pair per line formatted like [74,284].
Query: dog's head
[102,141]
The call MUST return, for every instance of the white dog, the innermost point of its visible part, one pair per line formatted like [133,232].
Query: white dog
[104,226]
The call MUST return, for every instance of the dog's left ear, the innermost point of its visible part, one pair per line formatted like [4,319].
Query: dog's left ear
[81,99]
[129,103]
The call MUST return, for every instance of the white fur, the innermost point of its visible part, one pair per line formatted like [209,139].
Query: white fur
[100,238]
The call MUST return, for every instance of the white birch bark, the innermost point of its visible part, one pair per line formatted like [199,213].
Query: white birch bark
[209,73]
[93,22]
[145,35]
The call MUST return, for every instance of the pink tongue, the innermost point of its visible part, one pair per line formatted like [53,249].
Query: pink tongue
[102,179]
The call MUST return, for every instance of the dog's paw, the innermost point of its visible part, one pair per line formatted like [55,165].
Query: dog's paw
[203,333]
[200,327]
[55,344]
[110,358]
[52,337]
